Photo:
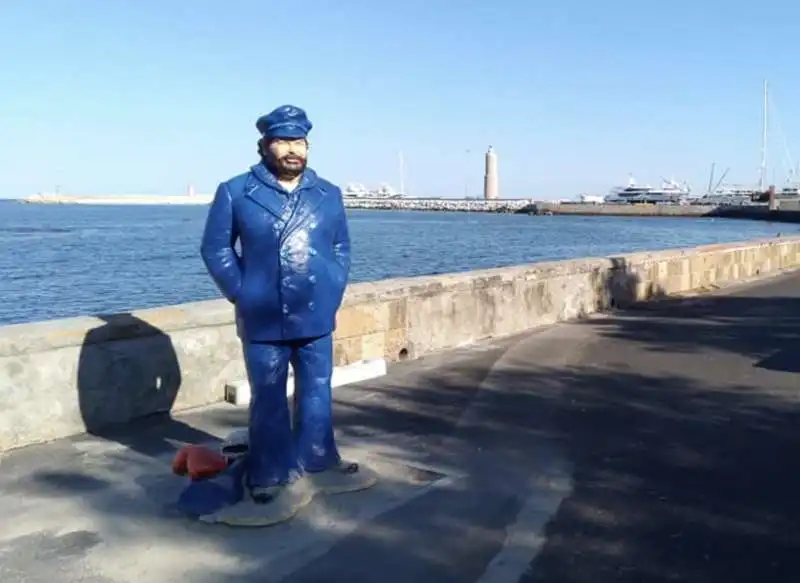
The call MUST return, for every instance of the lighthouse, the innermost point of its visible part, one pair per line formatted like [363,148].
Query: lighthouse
[490,189]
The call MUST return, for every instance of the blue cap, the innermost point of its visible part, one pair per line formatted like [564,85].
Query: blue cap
[286,121]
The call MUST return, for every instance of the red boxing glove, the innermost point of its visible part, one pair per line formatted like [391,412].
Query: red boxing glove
[198,462]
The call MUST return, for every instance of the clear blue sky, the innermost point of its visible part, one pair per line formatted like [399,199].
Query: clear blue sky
[114,96]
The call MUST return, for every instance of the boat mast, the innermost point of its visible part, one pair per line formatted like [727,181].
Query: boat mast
[402,174]
[763,173]
[711,177]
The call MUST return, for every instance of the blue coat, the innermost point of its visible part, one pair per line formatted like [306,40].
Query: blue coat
[287,283]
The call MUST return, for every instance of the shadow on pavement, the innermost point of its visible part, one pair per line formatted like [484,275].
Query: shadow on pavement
[674,481]
[763,328]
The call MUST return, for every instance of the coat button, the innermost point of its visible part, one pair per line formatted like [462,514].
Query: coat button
[312,278]
[312,251]
[285,309]
[287,280]
[311,306]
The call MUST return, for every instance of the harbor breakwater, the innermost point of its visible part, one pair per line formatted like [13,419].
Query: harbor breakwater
[409,204]
[789,211]
[439,204]
[525,206]
[620,210]
[59,378]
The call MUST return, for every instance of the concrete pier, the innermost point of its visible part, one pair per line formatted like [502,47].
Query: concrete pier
[619,210]
[786,212]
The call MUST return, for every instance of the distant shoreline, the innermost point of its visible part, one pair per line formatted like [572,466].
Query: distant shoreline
[501,206]
[118,199]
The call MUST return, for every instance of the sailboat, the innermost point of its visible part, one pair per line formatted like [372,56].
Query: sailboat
[739,194]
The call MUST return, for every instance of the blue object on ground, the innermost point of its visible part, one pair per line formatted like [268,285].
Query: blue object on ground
[201,497]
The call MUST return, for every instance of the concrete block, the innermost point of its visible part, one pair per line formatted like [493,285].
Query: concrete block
[238,392]
[347,351]
[361,319]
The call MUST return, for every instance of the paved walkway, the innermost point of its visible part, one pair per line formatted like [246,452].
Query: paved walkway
[655,445]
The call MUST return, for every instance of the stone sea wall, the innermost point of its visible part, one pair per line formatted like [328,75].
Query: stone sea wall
[62,377]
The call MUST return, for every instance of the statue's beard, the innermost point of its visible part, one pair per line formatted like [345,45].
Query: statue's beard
[286,167]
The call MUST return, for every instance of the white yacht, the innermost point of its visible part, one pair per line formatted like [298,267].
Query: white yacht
[789,191]
[592,199]
[352,190]
[738,195]
[730,195]
[356,190]
[670,192]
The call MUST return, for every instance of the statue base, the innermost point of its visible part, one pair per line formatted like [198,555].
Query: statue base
[283,508]
[339,481]
[224,499]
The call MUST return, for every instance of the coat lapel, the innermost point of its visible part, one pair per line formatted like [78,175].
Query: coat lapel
[264,191]
[309,197]
[309,194]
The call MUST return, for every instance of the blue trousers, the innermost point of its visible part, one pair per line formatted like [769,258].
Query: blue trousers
[277,450]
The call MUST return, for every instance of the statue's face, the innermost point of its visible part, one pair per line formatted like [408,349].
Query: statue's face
[287,156]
